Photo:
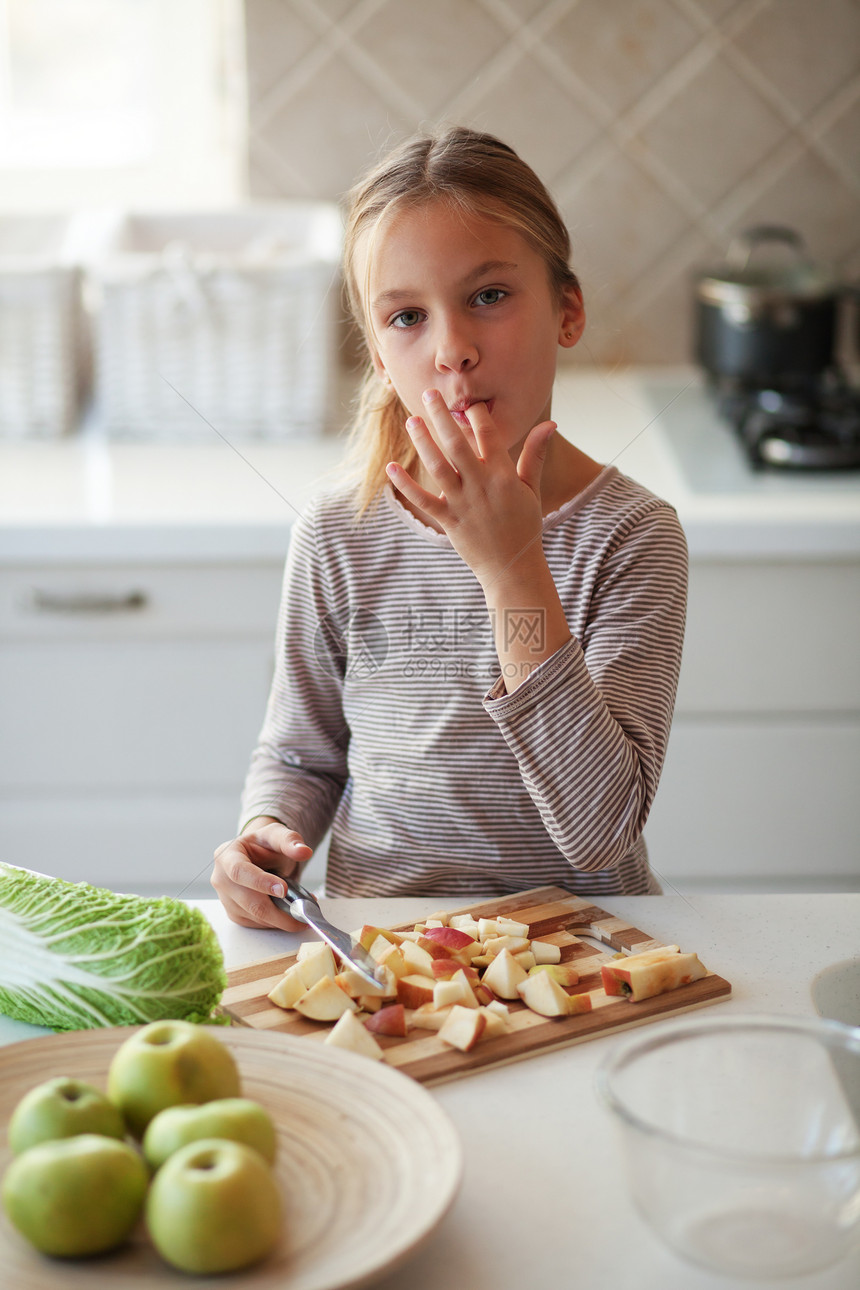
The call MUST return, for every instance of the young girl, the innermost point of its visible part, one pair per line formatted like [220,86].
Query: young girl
[479,641]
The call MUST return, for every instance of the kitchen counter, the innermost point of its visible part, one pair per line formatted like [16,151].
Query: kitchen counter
[532,1129]
[90,497]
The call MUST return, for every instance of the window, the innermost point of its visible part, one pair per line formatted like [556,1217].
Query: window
[129,102]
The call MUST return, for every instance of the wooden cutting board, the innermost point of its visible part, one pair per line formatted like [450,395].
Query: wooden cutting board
[553,915]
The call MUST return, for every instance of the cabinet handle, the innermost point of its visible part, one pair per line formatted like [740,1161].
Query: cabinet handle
[85,602]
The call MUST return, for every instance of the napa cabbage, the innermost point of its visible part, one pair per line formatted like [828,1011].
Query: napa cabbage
[73,956]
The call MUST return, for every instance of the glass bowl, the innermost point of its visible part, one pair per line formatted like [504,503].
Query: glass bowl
[742,1139]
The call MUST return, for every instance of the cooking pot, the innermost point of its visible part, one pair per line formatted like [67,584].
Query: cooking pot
[765,319]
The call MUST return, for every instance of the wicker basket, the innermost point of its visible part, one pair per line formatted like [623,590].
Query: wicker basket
[219,323]
[43,342]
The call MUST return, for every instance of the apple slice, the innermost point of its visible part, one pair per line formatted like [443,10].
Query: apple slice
[427,1017]
[466,923]
[467,988]
[452,937]
[463,1028]
[644,976]
[444,969]
[325,1001]
[349,1033]
[526,959]
[516,944]
[315,967]
[504,975]
[417,959]
[546,952]
[447,993]
[564,973]
[509,927]
[390,1020]
[438,918]
[543,994]
[413,991]
[289,989]
[495,1026]
[487,927]
[392,958]
[368,934]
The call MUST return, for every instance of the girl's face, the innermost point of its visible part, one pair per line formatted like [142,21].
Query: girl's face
[462,304]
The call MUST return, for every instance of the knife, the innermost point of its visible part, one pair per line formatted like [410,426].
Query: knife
[302,905]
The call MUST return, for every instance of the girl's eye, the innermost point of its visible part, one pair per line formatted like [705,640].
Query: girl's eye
[490,296]
[406,318]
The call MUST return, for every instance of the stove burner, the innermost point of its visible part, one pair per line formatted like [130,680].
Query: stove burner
[812,428]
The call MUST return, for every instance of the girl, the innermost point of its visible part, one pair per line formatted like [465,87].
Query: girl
[479,639]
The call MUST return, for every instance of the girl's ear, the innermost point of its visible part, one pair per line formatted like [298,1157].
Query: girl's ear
[572,317]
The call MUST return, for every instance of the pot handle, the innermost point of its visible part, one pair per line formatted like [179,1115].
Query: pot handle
[742,246]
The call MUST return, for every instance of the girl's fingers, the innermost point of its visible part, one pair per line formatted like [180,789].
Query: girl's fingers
[457,442]
[531,460]
[404,483]
[432,458]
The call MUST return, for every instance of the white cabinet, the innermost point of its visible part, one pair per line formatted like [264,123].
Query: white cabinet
[131,695]
[762,779]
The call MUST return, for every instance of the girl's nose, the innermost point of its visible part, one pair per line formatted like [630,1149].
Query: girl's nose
[455,350]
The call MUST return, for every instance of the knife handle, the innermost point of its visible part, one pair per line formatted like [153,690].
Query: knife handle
[296,893]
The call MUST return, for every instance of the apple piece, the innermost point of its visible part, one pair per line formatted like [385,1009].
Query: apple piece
[546,952]
[308,949]
[453,937]
[62,1108]
[543,994]
[417,959]
[439,916]
[504,975]
[510,927]
[446,993]
[444,969]
[499,1009]
[413,991]
[495,1025]
[428,1017]
[526,959]
[168,1062]
[392,958]
[579,1003]
[639,980]
[214,1206]
[564,973]
[463,1028]
[482,960]
[487,927]
[289,989]
[483,993]
[315,967]
[368,934]
[352,1034]
[466,923]
[390,1020]
[408,936]
[467,988]
[325,1001]
[516,944]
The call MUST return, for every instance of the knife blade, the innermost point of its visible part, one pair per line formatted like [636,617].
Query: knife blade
[303,906]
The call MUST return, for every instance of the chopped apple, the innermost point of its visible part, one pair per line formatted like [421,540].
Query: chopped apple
[446,993]
[315,967]
[349,1033]
[466,988]
[579,1003]
[368,934]
[440,917]
[370,1002]
[504,975]
[452,937]
[390,1020]
[543,994]
[444,969]
[413,991]
[325,1001]
[495,944]
[546,952]
[526,959]
[417,959]
[487,927]
[392,958]
[289,989]
[427,1017]
[499,1009]
[564,973]
[482,960]
[466,923]
[483,993]
[509,927]
[644,976]
[463,1028]
[308,949]
[495,1026]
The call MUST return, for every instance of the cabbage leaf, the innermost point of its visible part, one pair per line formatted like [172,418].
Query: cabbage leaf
[73,956]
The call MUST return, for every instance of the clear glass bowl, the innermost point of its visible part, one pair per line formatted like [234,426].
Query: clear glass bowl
[742,1139]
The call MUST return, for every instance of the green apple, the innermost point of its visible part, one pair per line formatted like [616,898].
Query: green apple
[62,1108]
[76,1196]
[214,1206]
[236,1118]
[168,1063]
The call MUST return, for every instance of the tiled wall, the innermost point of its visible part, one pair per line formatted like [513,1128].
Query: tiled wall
[662,127]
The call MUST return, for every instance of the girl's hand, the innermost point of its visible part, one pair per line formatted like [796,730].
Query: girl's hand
[489,507]
[240,878]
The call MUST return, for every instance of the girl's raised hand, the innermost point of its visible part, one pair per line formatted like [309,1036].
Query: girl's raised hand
[489,506]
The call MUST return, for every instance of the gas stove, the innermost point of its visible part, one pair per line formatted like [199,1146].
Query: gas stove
[808,426]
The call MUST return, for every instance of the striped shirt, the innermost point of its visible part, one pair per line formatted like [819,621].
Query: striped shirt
[388,720]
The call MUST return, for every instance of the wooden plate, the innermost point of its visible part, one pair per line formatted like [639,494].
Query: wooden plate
[368,1164]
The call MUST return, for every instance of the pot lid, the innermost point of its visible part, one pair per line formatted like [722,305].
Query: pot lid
[783,270]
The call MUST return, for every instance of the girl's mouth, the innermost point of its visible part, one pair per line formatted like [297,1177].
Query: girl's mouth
[458,412]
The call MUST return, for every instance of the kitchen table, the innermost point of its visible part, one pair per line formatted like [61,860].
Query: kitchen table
[543,1200]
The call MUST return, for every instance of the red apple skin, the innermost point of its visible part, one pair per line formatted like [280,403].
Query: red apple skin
[444,969]
[412,991]
[579,1003]
[611,979]
[451,937]
[390,1020]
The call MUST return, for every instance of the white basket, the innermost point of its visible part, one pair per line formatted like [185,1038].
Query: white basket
[219,324]
[43,343]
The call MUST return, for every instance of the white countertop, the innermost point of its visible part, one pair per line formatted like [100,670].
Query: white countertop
[533,1129]
[86,497]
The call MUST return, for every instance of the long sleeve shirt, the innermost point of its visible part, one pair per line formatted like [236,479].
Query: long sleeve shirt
[388,719]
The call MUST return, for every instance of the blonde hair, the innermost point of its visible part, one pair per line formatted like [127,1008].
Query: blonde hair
[477,174]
